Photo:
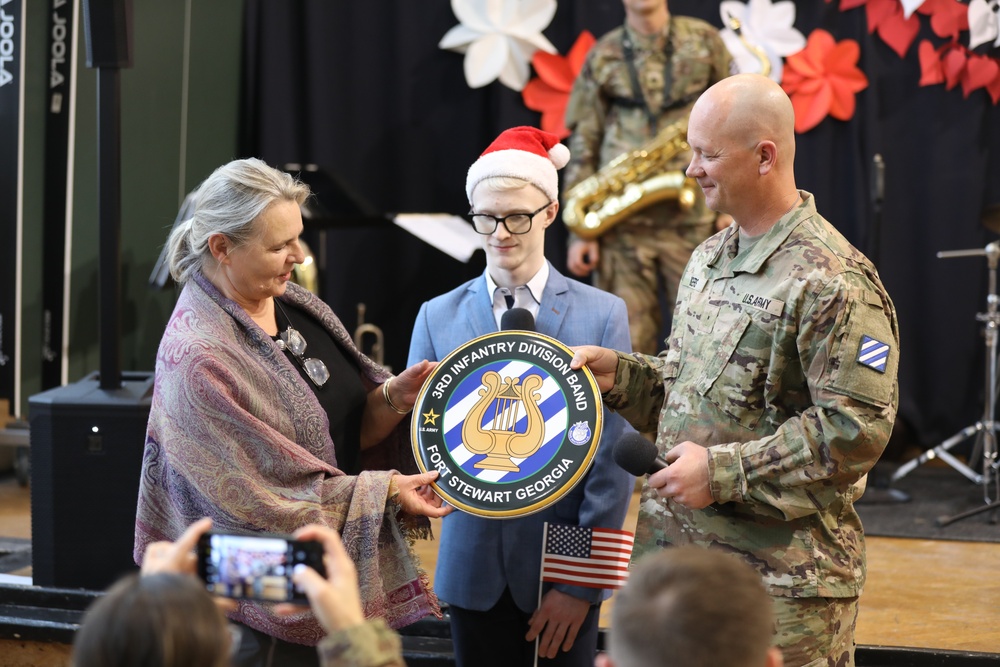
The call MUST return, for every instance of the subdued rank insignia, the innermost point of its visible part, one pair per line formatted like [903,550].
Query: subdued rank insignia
[873,353]
[507,424]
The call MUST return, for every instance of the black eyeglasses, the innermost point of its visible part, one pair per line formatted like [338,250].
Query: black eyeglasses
[293,341]
[515,223]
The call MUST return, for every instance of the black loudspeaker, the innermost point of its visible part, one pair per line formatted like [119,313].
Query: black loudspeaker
[107,25]
[86,456]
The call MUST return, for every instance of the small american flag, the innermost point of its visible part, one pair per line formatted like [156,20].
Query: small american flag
[590,557]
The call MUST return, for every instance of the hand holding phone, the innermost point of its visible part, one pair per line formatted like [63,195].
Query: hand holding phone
[175,557]
[335,598]
[256,567]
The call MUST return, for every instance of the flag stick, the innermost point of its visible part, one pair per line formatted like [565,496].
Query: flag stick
[545,532]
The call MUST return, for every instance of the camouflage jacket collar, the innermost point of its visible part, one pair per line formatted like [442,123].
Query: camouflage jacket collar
[753,260]
[655,42]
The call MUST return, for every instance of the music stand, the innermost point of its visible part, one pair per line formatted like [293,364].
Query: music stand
[985,429]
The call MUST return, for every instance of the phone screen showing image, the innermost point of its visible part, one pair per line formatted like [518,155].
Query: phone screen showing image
[256,567]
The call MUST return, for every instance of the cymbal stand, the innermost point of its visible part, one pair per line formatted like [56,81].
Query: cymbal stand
[986,428]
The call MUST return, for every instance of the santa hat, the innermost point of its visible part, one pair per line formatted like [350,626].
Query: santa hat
[521,152]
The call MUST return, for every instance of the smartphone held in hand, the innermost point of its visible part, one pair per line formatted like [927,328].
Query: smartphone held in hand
[256,567]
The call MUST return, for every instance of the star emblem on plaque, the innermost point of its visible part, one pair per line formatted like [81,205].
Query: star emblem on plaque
[514,428]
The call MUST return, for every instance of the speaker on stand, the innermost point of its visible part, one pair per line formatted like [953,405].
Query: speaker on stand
[87,438]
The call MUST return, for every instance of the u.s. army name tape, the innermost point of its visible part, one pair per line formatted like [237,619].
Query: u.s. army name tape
[510,427]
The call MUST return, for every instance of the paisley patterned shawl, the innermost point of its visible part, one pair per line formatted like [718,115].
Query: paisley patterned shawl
[236,434]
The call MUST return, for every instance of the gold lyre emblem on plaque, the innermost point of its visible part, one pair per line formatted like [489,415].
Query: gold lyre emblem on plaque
[500,442]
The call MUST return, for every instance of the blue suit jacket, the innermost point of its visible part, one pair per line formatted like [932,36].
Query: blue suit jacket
[477,556]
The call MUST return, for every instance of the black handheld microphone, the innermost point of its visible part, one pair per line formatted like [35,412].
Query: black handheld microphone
[517,319]
[637,455]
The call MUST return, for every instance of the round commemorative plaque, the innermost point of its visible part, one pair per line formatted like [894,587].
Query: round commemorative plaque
[510,427]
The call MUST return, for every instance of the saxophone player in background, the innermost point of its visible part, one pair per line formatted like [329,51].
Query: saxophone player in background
[638,80]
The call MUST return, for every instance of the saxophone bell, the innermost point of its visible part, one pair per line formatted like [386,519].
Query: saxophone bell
[629,183]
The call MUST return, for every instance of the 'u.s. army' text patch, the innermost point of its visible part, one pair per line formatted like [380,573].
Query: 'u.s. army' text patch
[873,353]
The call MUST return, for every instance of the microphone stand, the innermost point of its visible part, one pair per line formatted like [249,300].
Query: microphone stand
[878,195]
[985,429]
[880,490]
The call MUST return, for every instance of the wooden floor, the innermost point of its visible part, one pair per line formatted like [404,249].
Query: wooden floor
[929,594]
[920,593]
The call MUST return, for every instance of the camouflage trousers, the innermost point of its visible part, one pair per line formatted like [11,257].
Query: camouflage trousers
[635,259]
[816,632]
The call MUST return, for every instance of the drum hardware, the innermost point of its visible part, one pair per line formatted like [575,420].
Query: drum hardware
[985,430]
[991,218]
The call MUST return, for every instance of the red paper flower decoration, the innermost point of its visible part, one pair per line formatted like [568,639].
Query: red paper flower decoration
[931,70]
[994,90]
[948,17]
[849,4]
[549,91]
[887,18]
[953,64]
[822,80]
[980,72]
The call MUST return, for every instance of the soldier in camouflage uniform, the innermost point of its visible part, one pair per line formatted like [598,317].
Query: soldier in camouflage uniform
[618,104]
[777,392]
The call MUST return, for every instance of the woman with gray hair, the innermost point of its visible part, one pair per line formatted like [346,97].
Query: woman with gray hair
[266,417]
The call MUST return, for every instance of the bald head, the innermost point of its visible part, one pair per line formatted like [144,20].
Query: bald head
[749,108]
[742,137]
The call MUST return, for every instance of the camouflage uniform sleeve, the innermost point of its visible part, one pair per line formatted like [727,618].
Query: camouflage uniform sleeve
[722,61]
[816,457]
[371,644]
[638,392]
[586,113]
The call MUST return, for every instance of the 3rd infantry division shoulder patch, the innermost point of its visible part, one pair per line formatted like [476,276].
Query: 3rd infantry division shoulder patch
[873,353]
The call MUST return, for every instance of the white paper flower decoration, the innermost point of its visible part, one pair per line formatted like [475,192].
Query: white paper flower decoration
[910,6]
[764,25]
[984,22]
[498,38]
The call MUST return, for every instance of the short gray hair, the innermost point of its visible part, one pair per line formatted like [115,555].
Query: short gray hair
[228,202]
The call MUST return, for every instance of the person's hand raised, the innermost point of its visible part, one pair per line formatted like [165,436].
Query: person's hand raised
[179,557]
[175,557]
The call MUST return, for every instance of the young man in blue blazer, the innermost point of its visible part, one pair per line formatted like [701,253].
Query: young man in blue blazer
[488,568]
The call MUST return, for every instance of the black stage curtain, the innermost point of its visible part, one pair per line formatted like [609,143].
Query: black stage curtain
[362,89]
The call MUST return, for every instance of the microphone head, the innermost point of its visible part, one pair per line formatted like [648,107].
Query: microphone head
[517,319]
[635,454]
